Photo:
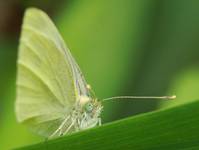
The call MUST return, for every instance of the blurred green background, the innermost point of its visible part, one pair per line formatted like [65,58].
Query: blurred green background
[124,47]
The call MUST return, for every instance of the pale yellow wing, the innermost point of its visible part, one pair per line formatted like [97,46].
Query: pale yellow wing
[48,79]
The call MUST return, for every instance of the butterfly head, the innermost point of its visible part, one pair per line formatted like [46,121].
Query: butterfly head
[93,107]
[90,106]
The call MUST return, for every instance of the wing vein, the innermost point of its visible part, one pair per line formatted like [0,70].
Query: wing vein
[25,41]
[43,35]
[61,50]
[39,78]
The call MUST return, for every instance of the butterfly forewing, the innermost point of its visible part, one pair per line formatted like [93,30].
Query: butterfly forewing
[49,81]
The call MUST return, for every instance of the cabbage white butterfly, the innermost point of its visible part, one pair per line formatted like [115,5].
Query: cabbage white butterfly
[53,97]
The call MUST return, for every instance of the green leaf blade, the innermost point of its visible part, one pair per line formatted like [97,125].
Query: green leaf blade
[174,128]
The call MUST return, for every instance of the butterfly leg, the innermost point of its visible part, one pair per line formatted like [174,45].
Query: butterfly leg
[71,125]
[60,127]
[82,122]
[78,125]
[99,121]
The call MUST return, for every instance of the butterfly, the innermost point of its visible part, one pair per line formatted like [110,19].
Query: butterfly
[53,97]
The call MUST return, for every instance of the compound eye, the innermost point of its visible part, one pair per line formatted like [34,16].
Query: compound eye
[89,107]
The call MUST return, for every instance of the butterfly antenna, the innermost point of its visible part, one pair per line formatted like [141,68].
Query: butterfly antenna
[140,97]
